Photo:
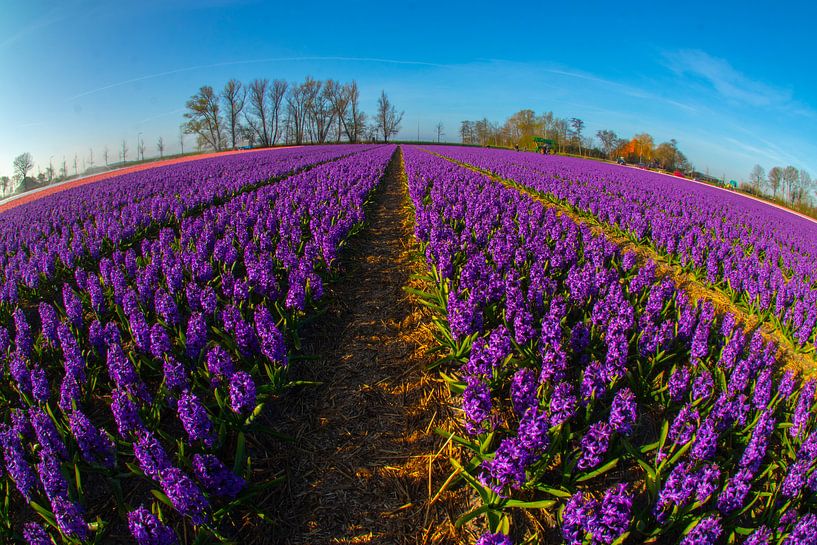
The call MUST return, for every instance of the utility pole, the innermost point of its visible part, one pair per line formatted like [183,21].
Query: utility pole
[418,131]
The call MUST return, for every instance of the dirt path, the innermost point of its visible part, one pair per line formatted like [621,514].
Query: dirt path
[366,460]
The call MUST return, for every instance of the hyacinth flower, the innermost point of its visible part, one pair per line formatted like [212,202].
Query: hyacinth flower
[605,521]
[494,539]
[623,412]
[35,534]
[706,532]
[194,419]
[196,335]
[150,455]
[476,404]
[215,477]
[219,364]
[69,516]
[270,337]
[802,412]
[242,393]
[125,413]
[185,496]
[94,444]
[147,529]
[17,466]
[48,437]
[594,445]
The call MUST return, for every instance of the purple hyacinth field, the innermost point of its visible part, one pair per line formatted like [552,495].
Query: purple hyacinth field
[625,357]
[147,321]
[597,393]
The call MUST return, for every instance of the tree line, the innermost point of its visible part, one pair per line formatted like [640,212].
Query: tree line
[569,137]
[24,179]
[266,113]
[789,184]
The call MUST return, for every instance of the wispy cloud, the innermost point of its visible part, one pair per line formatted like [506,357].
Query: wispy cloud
[249,61]
[728,82]
[32,124]
[625,89]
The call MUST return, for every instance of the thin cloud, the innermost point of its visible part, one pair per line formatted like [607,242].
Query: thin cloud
[727,81]
[249,61]
[620,87]
[32,124]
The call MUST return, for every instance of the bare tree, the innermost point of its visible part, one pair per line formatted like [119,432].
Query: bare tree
[23,163]
[160,146]
[578,127]
[319,108]
[339,99]
[440,132]
[76,171]
[259,108]
[90,157]
[791,177]
[140,149]
[64,169]
[124,151]
[277,92]
[775,179]
[234,95]
[757,178]
[181,138]
[204,118]
[297,99]
[355,122]
[105,154]
[5,181]
[388,120]
[806,184]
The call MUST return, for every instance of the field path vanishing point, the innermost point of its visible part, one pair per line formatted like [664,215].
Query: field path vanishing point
[365,460]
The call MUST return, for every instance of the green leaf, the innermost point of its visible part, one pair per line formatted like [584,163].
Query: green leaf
[540,504]
[557,492]
[603,469]
[472,515]
[162,498]
[240,453]
[45,513]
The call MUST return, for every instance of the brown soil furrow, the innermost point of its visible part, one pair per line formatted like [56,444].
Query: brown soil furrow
[365,463]
[697,290]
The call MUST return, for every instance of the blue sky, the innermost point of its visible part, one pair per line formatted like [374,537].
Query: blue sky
[732,82]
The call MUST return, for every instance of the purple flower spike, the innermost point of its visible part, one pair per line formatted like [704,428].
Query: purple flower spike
[706,532]
[147,529]
[494,539]
[35,534]
[216,477]
[242,393]
[623,413]
[185,496]
[594,445]
[194,418]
